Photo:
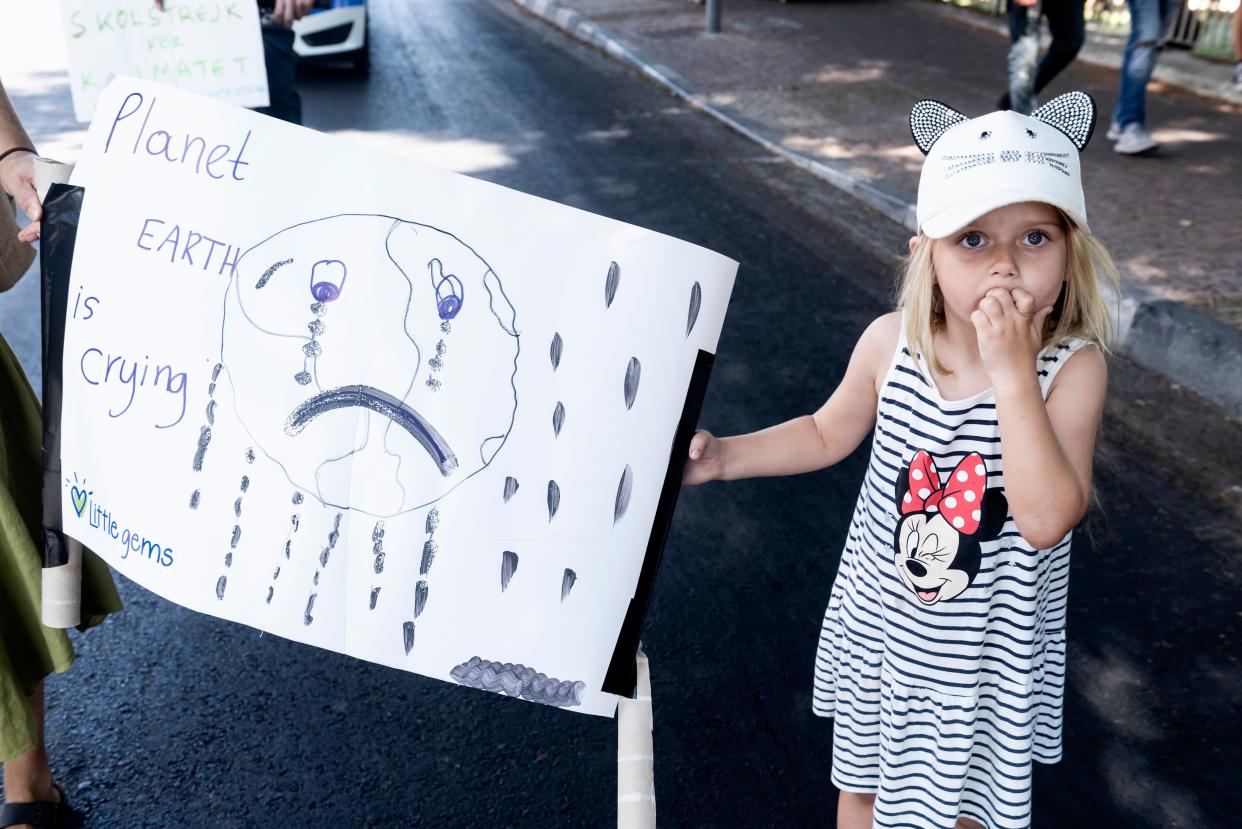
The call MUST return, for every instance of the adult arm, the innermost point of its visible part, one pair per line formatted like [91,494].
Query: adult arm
[17,176]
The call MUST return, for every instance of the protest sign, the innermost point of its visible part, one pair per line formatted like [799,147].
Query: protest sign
[370,405]
[214,48]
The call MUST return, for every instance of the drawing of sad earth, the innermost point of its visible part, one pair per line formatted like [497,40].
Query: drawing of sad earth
[373,359]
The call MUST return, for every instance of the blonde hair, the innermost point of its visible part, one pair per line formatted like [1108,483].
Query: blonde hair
[1083,313]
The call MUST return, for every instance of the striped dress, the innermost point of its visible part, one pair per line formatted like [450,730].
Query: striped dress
[942,652]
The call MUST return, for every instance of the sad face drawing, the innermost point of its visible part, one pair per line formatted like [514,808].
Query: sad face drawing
[373,359]
[937,540]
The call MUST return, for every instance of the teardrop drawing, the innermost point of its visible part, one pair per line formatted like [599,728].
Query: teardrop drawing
[420,598]
[557,345]
[558,418]
[610,286]
[696,300]
[508,566]
[624,489]
[554,499]
[632,373]
[407,632]
[430,548]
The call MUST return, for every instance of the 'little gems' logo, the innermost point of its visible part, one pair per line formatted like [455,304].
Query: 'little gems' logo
[101,518]
[79,494]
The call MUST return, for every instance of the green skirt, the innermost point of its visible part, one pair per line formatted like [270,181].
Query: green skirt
[28,650]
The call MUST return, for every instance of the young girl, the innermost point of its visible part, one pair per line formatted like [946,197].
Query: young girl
[942,652]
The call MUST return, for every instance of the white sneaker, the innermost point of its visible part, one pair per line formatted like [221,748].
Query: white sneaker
[1135,140]
[1114,131]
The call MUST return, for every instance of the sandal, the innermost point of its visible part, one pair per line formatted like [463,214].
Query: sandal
[42,814]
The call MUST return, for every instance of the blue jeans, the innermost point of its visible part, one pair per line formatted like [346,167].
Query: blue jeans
[1149,21]
[1026,77]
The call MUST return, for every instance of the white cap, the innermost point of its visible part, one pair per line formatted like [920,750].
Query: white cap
[975,165]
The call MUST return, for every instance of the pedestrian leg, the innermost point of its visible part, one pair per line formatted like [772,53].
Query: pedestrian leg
[282,63]
[1023,54]
[1237,45]
[1148,22]
[1065,21]
[28,778]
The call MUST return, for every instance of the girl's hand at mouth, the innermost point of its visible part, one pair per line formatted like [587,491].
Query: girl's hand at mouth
[1010,332]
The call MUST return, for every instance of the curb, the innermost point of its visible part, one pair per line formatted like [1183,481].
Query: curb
[1190,348]
[575,25]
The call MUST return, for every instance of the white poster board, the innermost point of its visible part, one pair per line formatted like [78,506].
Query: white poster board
[370,405]
[214,48]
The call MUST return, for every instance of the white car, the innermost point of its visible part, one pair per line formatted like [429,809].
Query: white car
[335,30]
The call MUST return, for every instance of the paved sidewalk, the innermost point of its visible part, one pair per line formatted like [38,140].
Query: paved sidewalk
[829,86]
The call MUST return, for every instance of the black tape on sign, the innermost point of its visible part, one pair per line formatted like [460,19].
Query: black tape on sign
[58,233]
[622,676]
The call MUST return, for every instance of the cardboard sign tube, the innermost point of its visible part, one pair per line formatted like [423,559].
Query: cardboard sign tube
[62,556]
[62,590]
[636,808]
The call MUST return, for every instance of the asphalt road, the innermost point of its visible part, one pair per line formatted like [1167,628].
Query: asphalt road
[173,719]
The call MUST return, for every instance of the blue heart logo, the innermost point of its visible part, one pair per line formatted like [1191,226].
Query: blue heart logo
[79,499]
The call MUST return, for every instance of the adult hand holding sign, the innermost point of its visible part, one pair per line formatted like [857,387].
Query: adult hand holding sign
[17,175]
[284,12]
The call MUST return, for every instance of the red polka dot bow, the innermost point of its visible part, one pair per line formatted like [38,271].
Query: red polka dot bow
[958,500]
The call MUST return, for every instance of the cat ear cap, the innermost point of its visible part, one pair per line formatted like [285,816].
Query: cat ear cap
[975,165]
